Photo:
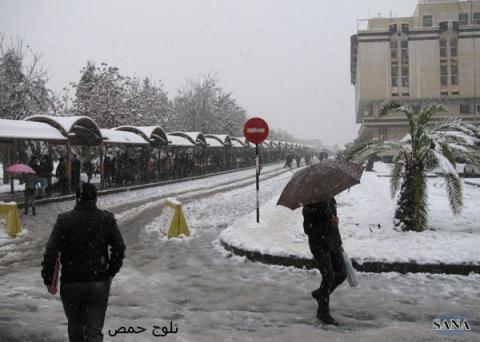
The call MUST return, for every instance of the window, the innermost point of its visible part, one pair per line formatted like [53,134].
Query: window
[478,108]
[404,44]
[428,21]
[443,25]
[455,93]
[453,48]
[394,81]
[455,26]
[394,94]
[444,93]
[393,49]
[454,74]
[405,94]
[476,18]
[463,18]
[393,28]
[404,81]
[404,70]
[464,108]
[443,48]
[443,75]
[405,28]
[443,70]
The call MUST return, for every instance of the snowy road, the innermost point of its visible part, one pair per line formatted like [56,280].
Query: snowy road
[214,296]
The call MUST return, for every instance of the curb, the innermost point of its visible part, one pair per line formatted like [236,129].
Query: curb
[138,187]
[367,266]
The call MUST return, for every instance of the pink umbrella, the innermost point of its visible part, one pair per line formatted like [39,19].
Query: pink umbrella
[20,168]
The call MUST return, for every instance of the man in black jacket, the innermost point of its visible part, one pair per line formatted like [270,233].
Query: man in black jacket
[82,237]
[321,226]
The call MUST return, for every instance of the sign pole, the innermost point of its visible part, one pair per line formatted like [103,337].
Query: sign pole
[255,131]
[257,160]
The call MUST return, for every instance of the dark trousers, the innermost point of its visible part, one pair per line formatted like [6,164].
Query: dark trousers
[29,200]
[85,305]
[332,268]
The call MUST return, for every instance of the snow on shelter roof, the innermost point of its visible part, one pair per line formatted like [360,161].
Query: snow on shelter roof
[78,129]
[155,133]
[121,137]
[176,140]
[196,138]
[25,130]
[215,139]
[213,142]
[236,143]
[243,140]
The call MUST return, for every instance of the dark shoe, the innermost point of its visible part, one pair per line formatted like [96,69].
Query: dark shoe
[326,318]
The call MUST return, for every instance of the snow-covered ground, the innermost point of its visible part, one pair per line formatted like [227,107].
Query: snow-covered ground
[212,295]
[366,226]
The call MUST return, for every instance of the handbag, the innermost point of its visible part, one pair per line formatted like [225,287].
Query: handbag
[351,276]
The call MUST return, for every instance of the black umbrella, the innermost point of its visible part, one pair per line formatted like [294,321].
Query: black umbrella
[319,182]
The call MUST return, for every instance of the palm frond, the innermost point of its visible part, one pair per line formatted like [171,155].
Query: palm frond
[362,152]
[395,106]
[427,112]
[455,192]
[396,174]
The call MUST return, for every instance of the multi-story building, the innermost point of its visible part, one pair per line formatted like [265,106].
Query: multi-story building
[432,56]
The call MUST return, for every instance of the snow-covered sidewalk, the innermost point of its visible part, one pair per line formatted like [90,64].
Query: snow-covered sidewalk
[367,230]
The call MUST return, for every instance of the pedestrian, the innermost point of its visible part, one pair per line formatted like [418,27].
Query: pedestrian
[33,163]
[298,159]
[288,161]
[321,226]
[81,237]
[30,180]
[61,174]
[76,169]
[89,169]
[47,172]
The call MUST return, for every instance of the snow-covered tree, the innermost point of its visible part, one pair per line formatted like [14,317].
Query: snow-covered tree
[102,95]
[280,134]
[149,102]
[427,145]
[23,90]
[203,106]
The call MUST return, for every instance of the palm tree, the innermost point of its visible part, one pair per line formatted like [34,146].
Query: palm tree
[427,145]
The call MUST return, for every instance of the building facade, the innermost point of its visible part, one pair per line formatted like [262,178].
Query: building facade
[432,56]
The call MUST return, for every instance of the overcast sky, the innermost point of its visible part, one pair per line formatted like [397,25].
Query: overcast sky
[285,61]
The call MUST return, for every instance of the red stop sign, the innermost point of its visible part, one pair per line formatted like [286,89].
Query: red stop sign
[255,130]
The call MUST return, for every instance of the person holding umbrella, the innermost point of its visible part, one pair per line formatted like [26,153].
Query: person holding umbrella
[30,180]
[321,226]
[313,189]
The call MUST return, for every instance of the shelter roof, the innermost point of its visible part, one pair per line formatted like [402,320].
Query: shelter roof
[213,142]
[78,129]
[196,138]
[178,140]
[222,138]
[155,133]
[113,136]
[242,140]
[26,130]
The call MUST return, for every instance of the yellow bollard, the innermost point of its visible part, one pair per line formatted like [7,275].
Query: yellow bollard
[9,214]
[173,218]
